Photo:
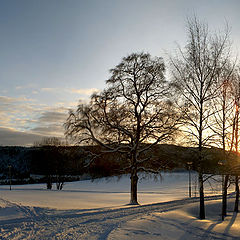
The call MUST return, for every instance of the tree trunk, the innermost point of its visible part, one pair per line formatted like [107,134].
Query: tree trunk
[200,148]
[237,194]
[49,182]
[224,196]
[134,181]
[236,148]
[201,194]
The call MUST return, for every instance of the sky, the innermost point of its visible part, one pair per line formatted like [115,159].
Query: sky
[55,53]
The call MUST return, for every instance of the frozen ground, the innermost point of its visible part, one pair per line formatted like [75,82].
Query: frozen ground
[98,210]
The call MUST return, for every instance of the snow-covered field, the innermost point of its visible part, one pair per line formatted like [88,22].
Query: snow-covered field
[99,210]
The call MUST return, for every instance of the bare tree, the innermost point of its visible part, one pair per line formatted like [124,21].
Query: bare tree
[130,116]
[55,160]
[49,141]
[222,125]
[236,95]
[195,70]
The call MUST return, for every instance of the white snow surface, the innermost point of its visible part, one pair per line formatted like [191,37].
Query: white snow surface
[99,210]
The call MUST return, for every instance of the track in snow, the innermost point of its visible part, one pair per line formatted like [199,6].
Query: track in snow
[44,223]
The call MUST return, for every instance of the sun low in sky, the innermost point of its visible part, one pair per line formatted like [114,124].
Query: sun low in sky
[57,53]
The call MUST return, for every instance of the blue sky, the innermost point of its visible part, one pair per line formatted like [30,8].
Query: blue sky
[55,53]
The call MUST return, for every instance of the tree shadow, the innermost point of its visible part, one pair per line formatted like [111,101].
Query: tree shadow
[209,229]
[231,222]
[226,231]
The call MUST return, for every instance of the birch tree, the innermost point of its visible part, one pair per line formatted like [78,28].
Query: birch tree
[236,96]
[194,70]
[223,125]
[130,116]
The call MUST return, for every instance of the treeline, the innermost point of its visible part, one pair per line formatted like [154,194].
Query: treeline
[63,161]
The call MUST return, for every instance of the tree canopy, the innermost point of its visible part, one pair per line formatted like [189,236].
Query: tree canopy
[134,109]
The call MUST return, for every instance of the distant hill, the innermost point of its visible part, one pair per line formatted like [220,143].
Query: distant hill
[72,160]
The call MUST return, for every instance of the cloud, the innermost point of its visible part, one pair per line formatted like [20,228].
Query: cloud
[26,131]
[28,86]
[49,89]
[50,123]
[81,91]
[29,120]
[19,87]
[12,137]
[85,91]
[35,90]
[15,110]
[53,116]
[50,130]
[5,99]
